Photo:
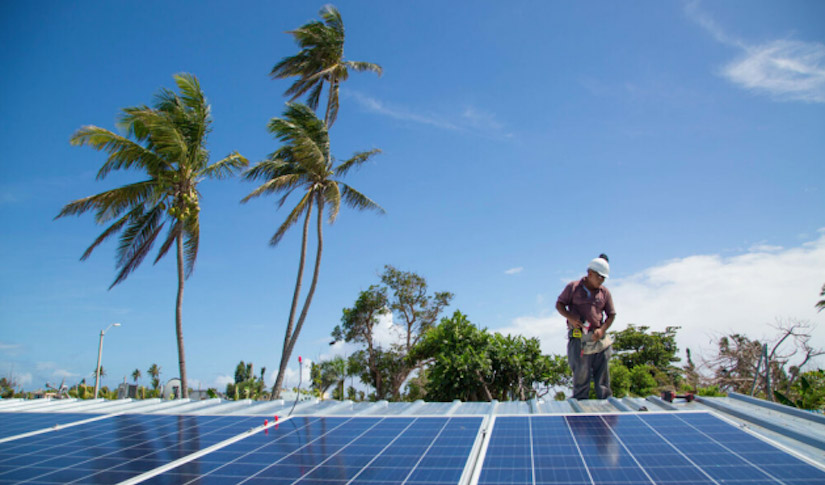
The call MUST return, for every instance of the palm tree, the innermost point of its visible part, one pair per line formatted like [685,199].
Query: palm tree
[304,161]
[169,145]
[136,375]
[102,372]
[321,60]
[154,371]
[820,305]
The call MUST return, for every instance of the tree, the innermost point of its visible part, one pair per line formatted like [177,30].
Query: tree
[102,372]
[358,324]
[154,372]
[321,60]
[738,358]
[468,363]
[414,311]
[136,375]
[246,385]
[635,346]
[168,144]
[820,305]
[305,161]
[808,392]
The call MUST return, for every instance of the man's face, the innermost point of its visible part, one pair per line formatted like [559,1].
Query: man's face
[595,279]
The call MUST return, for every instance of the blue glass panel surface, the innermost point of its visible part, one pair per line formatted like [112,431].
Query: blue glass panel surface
[672,448]
[340,450]
[18,423]
[114,449]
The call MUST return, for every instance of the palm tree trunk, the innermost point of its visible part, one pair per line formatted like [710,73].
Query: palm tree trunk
[179,320]
[285,353]
[315,273]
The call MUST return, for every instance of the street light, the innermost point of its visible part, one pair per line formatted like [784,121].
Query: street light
[100,355]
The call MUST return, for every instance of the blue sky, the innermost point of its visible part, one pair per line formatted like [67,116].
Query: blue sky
[520,139]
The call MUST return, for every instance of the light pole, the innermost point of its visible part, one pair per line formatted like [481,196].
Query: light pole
[100,355]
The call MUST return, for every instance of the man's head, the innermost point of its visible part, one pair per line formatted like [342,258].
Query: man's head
[597,271]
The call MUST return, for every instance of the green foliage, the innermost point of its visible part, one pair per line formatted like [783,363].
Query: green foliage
[709,391]
[619,379]
[326,374]
[154,373]
[808,392]
[820,305]
[635,346]
[405,294]
[471,364]
[246,385]
[321,60]
[6,388]
[642,382]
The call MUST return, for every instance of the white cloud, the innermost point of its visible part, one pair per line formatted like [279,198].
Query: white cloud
[23,379]
[472,120]
[516,270]
[783,69]
[709,295]
[11,350]
[222,380]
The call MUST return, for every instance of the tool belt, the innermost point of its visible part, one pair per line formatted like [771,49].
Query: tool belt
[588,345]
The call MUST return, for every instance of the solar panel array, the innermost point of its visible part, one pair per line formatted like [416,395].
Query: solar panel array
[673,448]
[113,449]
[13,425]
[337,451]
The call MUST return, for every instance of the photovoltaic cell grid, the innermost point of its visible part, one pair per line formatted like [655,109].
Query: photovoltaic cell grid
[113,449]
[13,424]
[686,448]
[338,451]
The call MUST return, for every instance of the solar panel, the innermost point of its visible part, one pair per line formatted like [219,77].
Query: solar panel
[338,451]
[683,448]
[113,449]
[14,424]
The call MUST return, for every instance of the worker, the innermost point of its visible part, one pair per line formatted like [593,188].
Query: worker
[588,307]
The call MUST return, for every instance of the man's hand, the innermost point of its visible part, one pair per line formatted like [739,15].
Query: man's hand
[575,323]
[598,334]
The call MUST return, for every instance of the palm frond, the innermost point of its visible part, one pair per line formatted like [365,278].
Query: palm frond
[332,103]
[332,199]
[284,182]
[305,204]
[191,93]
[314,97]
[112,230]
[361,66]
[171,235]
[226,167]
[191,230]
[357,200]
[123,153]
[355,161]
[270,169]
[111,203]
[332,18]
[136,242]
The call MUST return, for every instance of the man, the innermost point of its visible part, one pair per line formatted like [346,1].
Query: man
[588,308]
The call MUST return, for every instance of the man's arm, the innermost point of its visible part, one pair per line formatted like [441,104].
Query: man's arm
[571,318]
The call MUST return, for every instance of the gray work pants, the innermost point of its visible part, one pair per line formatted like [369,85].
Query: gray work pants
[589,366]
